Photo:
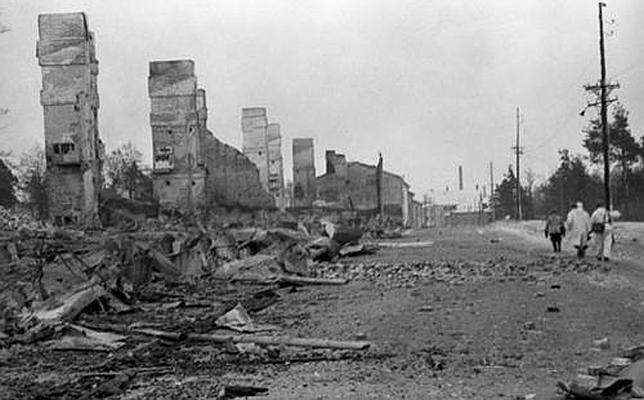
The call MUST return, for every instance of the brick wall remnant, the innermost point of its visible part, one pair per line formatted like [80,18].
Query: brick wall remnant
[262,144]
[178,173]
[69,96]
[303,172]
[192,168]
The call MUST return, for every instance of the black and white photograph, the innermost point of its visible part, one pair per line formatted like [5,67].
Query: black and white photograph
[322,199]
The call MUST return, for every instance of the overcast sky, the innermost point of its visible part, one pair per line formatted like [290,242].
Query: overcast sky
[430,84]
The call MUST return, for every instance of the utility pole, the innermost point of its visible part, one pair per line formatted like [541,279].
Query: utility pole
[602,90]
[492,190]
[604,111]
[379,187]
[518,151]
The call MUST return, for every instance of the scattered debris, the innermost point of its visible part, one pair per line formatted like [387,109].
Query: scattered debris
[405,244]
[232,391]
[621,377]
[603,343]
[238,320]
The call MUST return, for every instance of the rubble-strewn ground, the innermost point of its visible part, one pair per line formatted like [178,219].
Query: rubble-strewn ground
[479,313]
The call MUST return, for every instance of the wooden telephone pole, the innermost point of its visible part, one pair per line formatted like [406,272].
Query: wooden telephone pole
[602,90]
[604,109]
[518,151]
[492,190]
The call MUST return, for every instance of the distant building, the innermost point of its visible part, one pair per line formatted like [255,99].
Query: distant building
[262,144]
[73,148]
[456,208]
[332,186]
[354,186]
[304,190]
[275,164]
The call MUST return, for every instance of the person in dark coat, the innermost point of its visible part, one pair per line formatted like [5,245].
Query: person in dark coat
[555,230]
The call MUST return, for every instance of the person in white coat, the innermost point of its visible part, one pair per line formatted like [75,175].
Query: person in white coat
[602,230]
[578,227]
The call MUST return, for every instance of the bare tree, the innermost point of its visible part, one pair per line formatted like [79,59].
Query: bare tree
[32,181]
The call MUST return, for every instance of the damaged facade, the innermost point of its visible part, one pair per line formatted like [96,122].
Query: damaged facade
[232,180]
[275,164]
[179,175]
[262,144]
[354,186]
[303,172]
[193,169]
[69,97]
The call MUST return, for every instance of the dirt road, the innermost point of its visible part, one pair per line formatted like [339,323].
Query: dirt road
[482,313]
[491,338]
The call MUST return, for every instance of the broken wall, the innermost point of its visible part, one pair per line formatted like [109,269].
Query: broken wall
[275,164]
[358,188]
[179,178]
[232,180]
[255,146]
[69,96]
[303,172]
[336,163]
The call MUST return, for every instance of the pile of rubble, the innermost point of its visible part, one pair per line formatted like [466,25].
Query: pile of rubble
[451,272]
[17,220]
[620,378]
[154,300]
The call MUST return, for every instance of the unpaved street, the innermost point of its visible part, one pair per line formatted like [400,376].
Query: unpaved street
[490,338]
[452,313]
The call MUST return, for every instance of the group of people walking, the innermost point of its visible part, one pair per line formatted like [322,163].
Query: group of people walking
[582,229]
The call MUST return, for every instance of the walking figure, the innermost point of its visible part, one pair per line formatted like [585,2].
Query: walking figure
[602,231]
[578,228]
[555,230]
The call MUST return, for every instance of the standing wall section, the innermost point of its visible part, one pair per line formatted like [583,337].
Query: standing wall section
[255,145]
[303,172]
[178,174]
[275,164]
[69,96]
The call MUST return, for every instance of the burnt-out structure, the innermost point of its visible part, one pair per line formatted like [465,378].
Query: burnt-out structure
[304,191]
[69,96]
[262,144]
[275,164]
[179,175]
[362,187]
[192,169]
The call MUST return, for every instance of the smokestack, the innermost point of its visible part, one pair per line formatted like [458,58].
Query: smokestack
[460,177]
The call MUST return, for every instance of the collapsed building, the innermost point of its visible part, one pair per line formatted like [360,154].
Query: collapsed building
[275,164]
[69,96]
[191,168]
[304,189]
[179,173]
[262,144]
[367,189]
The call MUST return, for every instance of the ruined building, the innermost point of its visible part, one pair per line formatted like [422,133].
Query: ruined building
[192,168]
[303,172]
[262,144]
[354,186]
[69,97]
[179,175]
[275,164]
[332,186]
[232,180]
